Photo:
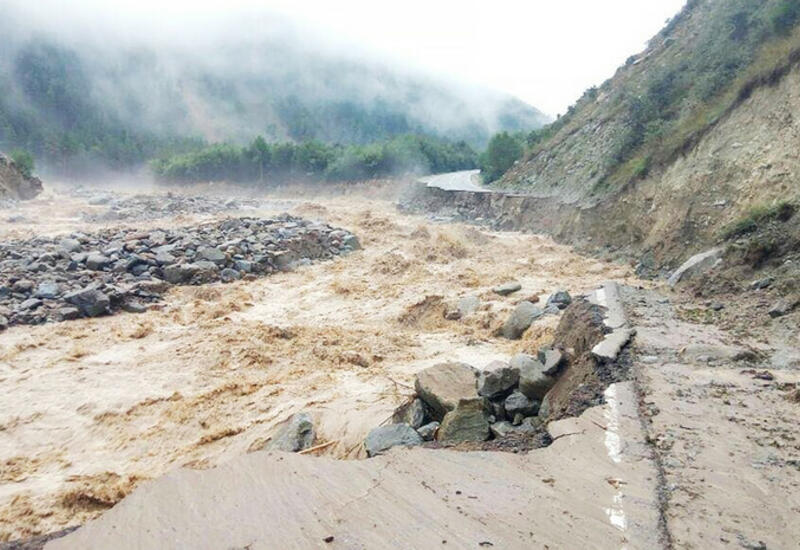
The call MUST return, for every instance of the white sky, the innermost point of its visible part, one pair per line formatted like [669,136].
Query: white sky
[546,52]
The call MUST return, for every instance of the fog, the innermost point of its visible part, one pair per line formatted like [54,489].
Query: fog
[239,73]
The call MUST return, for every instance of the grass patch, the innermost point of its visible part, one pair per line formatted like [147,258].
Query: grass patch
[757,216]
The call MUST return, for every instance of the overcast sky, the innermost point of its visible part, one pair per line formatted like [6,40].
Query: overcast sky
[546,52]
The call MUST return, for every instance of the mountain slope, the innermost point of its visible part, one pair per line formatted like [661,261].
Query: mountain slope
[688,139]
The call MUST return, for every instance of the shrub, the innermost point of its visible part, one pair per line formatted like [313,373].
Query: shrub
[503,151]
[757,216]
[24,161]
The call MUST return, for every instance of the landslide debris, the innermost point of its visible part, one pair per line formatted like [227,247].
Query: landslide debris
[507,404]
[88,275]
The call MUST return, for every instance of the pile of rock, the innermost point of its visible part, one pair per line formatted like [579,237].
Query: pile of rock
[153,207]
[457,403]
[83,275]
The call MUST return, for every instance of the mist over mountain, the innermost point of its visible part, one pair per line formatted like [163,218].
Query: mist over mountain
[121,97]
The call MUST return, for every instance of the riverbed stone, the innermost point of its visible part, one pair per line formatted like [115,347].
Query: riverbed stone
[497,378]
[534,382]
[442,386]
[518,404]
[385,437]
[520,320]
[412,413]
[507,288]
[295,435]
[428,431]
[468,421]
[90,301]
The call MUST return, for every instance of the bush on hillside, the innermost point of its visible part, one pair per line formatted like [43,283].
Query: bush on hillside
[24,161]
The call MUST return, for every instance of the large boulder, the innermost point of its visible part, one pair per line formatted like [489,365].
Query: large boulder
[534,382]
[442,386]
[695,265]
[412,413]
[497,379]
[90,301]
[296,435]
[384,438]
[552,359]
[468,421]
[520,320]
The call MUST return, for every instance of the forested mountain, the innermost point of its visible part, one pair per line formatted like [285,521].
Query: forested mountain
[73,101]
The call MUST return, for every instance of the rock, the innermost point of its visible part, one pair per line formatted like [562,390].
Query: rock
[3,322]
[507,288]
[534,382]
[552,359]
[761,284]
[96,261]
[428,431]
[497,379]
[296,435]
[68,313]
[243,266]
[462,308]
[165,258]
[561,299]
[442,386]
[497,409]
[502,429]
[697,264]
[384,438]
[609,347]
[23,286]
[412,413]
[70,246]
[518,403]
[467,422]
[90,301]
[47,290]
[30,304]
[180,273]
[520,320]
[505,428]
[229,275]
[783,307]
[351,241]
[212,254]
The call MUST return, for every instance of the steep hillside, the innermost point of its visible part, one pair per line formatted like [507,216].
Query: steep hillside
[75,99]
[695,135]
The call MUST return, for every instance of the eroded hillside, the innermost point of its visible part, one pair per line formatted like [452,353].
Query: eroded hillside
[690,138]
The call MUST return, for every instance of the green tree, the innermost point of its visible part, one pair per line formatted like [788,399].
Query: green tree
[503,151]
[24,161]
[260,155]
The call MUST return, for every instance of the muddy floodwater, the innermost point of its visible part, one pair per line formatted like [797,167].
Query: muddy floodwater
[93,407]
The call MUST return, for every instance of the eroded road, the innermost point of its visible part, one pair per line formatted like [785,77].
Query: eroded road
[699,450]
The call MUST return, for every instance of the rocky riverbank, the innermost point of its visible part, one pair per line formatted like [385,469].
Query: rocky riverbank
[88,275]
